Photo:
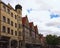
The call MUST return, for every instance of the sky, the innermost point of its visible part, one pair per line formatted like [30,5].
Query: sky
[44,13]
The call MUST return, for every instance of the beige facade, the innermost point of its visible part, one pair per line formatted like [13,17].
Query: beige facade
[10,22]
[10,14]
[0,18]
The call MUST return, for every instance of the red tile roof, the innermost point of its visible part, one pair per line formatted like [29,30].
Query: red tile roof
[31,24]
[36,29]
[24,20]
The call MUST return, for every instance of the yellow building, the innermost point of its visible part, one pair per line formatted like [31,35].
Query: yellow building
[10,26]
[15,31]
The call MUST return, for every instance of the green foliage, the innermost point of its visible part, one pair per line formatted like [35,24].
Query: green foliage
[52,40]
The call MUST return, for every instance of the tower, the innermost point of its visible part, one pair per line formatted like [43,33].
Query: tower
[18,8]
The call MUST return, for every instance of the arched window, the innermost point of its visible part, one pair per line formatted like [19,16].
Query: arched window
[3,29]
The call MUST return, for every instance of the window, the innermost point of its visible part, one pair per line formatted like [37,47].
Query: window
[15,24]
[4,19]
[19,25]
[16,33]
[12,14]
[19,33]
[8,21]
[3,29]
[4,8]
[8,30]
[19,18]
[15,17]
[8,10]
[11,23]
[11,32]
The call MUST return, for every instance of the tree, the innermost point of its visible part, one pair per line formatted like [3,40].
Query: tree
[52,40]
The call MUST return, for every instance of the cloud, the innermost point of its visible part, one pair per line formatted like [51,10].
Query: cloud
[54,22]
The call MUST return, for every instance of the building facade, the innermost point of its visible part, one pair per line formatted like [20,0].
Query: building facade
[10,26]
[26,32]
[37,35]
[43,41]
[30,34]
[34,36]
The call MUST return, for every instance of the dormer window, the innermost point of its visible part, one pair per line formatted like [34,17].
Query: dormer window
[11,14]
[15,17]
[4,7]
[8,10]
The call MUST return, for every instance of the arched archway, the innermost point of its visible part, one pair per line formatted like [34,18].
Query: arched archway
[14,43]
[4,42]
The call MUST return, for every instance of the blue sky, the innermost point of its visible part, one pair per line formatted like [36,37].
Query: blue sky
[44,13]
